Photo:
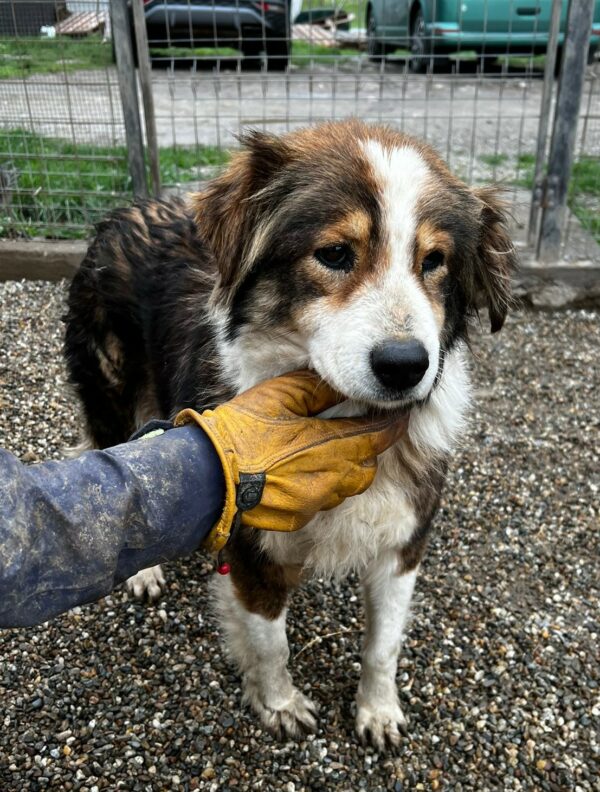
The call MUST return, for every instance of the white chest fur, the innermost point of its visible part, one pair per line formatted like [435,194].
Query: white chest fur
[347,538]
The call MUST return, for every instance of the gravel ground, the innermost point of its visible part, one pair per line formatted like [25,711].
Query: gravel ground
[500,672]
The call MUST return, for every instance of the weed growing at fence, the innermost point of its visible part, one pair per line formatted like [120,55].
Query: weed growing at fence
[493,160]
[584,194]
[584,189]
[60,189]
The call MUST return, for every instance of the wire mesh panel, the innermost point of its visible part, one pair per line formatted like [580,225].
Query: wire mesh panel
[62,144]
[466,77]
[581,235]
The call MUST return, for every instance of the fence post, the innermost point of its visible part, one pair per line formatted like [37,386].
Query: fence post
[145,72]
[545,108]
[129,96]
[562,147]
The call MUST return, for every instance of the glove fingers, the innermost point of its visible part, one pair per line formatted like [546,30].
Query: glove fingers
[301,393]
[353,440]
[384,438]
[362,478]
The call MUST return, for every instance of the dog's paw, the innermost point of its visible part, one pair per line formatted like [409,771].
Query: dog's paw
[147,584]
[293,717]
[381,724]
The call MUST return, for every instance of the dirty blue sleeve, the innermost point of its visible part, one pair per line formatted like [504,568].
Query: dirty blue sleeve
[70,531]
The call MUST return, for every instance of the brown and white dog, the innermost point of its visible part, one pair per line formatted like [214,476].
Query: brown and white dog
[346,248]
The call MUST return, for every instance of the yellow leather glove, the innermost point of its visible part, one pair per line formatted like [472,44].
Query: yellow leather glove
[281,467]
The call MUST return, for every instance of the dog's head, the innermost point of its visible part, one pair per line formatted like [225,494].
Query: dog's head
[357,241]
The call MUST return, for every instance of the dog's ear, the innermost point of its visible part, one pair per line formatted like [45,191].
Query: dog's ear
[496,258]
[228,211]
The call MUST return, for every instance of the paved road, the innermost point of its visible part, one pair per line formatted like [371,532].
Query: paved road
[456,114]
[465,117]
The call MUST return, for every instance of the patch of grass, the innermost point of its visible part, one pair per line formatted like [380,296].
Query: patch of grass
[493,160]
[62,188]
[525,169]
[588,217]
[179,165]
[304,52]
[526,160]
[584,194]
[193,52]
[468,56]
[586,176]
[22,57]
[526,63]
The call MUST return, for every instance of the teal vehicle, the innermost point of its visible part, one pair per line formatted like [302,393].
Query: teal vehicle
[440,27]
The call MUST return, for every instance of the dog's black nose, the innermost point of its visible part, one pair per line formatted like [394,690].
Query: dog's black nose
[400,365]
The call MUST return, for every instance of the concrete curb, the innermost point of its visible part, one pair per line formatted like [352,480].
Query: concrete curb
[556,286]
[40,259]
[562,285]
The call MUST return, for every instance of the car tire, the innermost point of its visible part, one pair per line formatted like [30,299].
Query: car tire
[277,51]
[375,49]
[420,46]
[252,56]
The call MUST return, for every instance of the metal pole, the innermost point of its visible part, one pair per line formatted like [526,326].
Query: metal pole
[145,72]
[129,96]
[545,107]
[562,148]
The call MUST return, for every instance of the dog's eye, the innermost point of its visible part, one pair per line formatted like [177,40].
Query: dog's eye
[432,261]
[338,257]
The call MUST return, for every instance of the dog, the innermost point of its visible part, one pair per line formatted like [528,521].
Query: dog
[346,248]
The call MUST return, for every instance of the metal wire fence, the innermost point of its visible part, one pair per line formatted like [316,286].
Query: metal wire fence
[465,77]
[62,139]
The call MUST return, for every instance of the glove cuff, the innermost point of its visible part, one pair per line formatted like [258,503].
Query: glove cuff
[219,534]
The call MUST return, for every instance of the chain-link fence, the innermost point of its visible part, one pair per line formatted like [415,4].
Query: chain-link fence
[467,77]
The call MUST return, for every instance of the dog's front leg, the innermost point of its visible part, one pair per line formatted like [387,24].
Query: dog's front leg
[379,717]
[258,646]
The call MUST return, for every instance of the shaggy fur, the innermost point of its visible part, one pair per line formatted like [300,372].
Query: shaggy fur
[186,303]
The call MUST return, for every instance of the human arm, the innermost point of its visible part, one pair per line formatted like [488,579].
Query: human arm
[70,531]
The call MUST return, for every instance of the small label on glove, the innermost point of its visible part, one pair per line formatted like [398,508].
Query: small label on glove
[250,490]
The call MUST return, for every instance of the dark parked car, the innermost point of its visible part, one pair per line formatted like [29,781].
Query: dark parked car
[257,28]
[439,27]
